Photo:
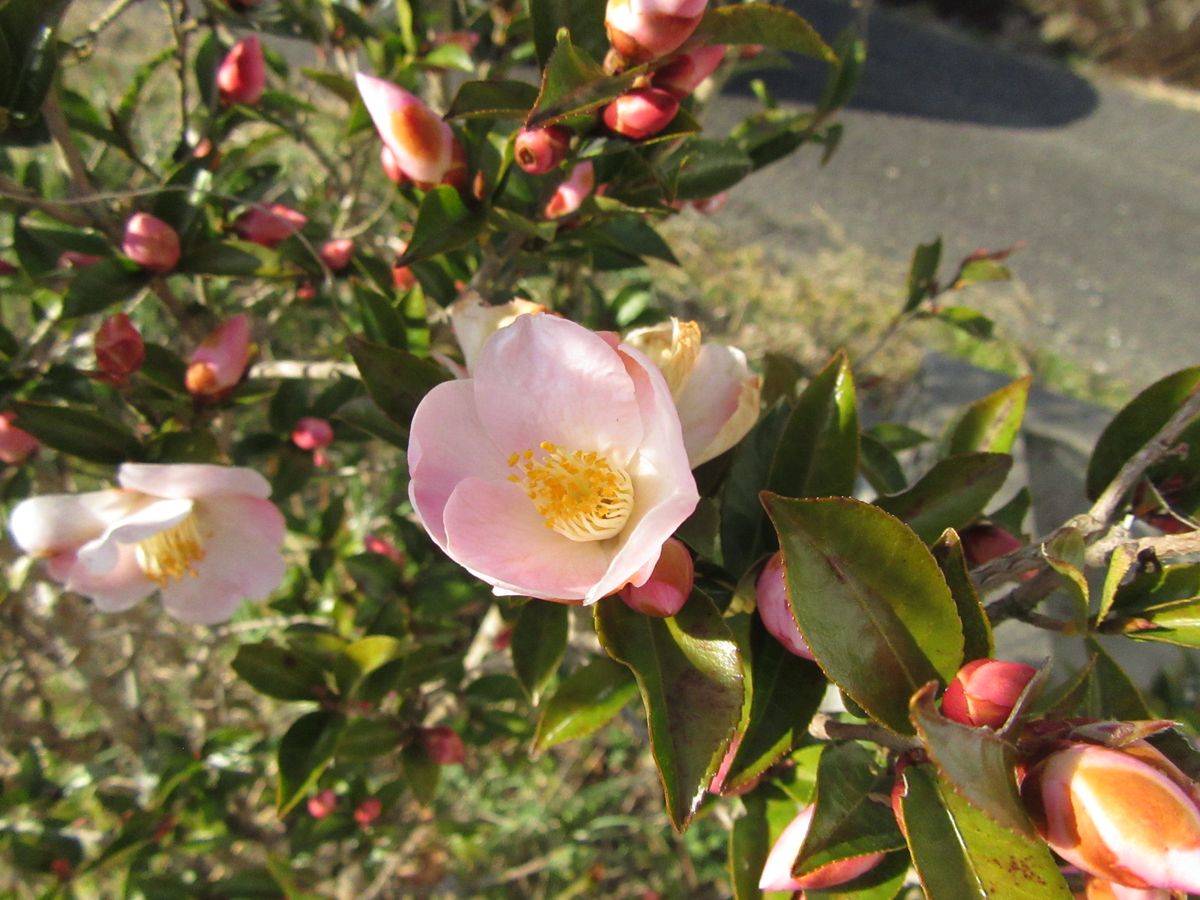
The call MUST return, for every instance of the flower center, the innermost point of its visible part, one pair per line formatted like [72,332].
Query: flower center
[171,554]
[579,493]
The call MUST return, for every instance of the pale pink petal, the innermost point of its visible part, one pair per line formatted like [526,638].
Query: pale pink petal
[242,560]
[121,587]
[44,526]
[547,379]
[179,480]
[446,444]
[99,555]
[494,531]
[777,871]
[719,402]
[686,8]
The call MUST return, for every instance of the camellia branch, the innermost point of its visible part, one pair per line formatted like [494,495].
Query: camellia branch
[59,211]
[297,368]
[827,728]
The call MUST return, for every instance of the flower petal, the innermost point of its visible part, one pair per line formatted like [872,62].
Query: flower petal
[718,403]
[178,480]
[548,379]
[117,589]
[100,554]
[494,531]
[55,523]
[446,444]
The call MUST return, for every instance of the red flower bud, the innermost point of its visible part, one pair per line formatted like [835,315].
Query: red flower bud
[775,608]
[984,692]
[312,434]
[322,803]
[15,443]
[373,543]
[642,30]
[669,585]
[777,873]
[709,205]
[685,73]
[242,75]
[402,276]
[539,150]
[151,243]
[218,364]
[337,254]
[368,811]
[985,542]
[642,112]
[306,291]
[442,745]
[120,350]
[7,268]
[269,225]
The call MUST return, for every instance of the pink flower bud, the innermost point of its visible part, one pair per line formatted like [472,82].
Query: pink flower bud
[307,291]
[984,692]
[269,225]
[368,811]
[373,543]
[642,30]
[218,364]
[151,243]
[402,276]
[983,543]
[312,434]
[322,803]
[420,141]
[572,192]
[73,259]
[685,73]
[642,112]
[120,350]
[242,76]
[775,608]
[337,253]
[777,872]
[1128,816]
[709,205]
[442,745]
[391,168]
[15,443]
[539,150]
[669,585]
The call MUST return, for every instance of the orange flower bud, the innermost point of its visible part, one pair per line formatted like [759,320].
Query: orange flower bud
[640,113]
[538,150]
[218,364]
[242,75]
[984,691]
[669,585]
[120,350]
[151,243]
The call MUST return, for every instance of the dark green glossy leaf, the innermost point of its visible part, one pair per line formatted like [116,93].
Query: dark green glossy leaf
[421,772]
[979,270]
[950,495]
[240,259]
[584,701]
[851,50]
[539,642]
[395,379]
[744,534]
[583,19]
[364,414]
[991,423]
[366,655]
[966,319]
[444,223]
[975,761]
[382,322]
[960,853]
[707,167]
[1065,554]
[689,673]
[86,435]
[338,85]
[574,83]
[880,466]
[771,26]
[493,100]
[96,287]
[304,752]
[367,739]
[277,672]
[896,436]
[1111,693]
[871,601]
[922,272]
[1157,585]
[977,630]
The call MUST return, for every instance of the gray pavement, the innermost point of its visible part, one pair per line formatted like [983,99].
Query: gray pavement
[987,148]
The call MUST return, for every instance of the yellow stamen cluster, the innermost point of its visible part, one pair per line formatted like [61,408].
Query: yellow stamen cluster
[579,493]
[171,554]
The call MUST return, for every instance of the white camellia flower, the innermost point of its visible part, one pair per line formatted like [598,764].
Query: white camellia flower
[203,535]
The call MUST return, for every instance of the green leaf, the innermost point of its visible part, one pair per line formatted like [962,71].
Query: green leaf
[975,761]
[539,642]
[583,19]
[689,673]
[743,529]
[421,772]
[1065,554]
[493,100]
[395,379]
[977,629]
[127,107]
[1111,693]
[703,168]
[991,423]
[28,61]
[382,322]
[897,437]
[979,270]
[304,752]
[1177,475]
[817,455]
[95,288]
[871,601]
[239,259]
[444,223]
[851,50]
[585,700]
[880,466]
[86,435]
[785,691]
[771,26]
[950,495]
[338,85]
[277,672]
[1158,585]
[922,272]
[966,319]
[574,83]
[367,655]
[959,853]
[366,739]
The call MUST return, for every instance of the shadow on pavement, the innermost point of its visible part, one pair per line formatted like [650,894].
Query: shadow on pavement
[931,73]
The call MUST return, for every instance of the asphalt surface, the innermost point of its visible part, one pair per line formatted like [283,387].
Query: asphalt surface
[985,147]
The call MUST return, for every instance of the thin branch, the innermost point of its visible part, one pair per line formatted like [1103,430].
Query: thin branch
[62,212]
[180,35]
[827,728]
[297,368]
[102,21]
[81,183]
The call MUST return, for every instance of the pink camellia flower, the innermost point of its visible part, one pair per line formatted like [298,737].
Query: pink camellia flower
[442,745]
[1128,816]
[337,253]
[269,225]
[538,150]
[422,144]
[715,392]
[242,75]
[669,585]
[151,243]
[205,536]
[119,348]
[368,811]
[322,803]
[391,168]
[642,30]
[775,607]
[557,470]
[571,193]
[16,444]
[985,691]
[312,433]
[640,113]
[777,872]
[685,73]
[218,364]
[474,321]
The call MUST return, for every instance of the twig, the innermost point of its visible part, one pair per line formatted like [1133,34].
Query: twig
[180,35]
[81,183]
[62,212]
[826,728]
[102,21]
[297,368]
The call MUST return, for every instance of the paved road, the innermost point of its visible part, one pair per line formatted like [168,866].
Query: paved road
[947,136]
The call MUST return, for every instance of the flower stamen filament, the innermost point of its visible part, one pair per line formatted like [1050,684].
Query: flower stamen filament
[579,493]
[172,553]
